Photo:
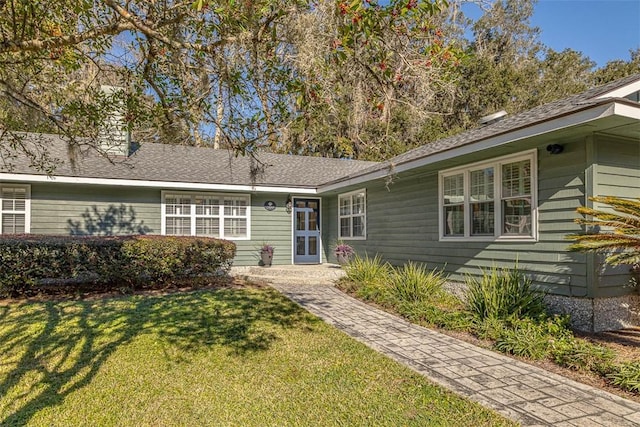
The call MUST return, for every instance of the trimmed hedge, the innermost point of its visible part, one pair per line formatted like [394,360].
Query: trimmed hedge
[30,263]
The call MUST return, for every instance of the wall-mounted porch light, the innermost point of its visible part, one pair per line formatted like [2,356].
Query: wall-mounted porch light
[288,205]
[555,148]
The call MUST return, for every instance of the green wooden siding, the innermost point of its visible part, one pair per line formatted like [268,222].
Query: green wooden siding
[273,227]
[95,210]
[100,210]
[329,227]
[402,224]
[616,173]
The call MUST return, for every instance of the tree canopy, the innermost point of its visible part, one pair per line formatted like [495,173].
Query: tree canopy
[235,73]
[364,79]
[496,62]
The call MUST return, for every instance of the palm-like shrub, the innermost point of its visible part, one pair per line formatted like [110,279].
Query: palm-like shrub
[622,243]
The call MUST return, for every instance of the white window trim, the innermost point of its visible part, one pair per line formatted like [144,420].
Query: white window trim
[192,195]
[27,205]
[364,222]
[496,163]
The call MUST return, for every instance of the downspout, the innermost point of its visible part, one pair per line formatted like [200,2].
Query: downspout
[589,190]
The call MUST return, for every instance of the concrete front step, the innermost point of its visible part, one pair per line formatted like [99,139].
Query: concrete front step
[287,280]
[291,274]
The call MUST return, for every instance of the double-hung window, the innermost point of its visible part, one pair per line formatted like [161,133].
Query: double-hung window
[453,196]
[235,217]
[352,215]
[489,200]
[516,199]
[14,209]
[178,215]
[206,214]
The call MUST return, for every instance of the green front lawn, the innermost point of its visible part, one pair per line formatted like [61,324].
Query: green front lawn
[233,356]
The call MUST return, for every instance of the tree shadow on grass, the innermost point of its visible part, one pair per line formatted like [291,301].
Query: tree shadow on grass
[240,321]
[50,350]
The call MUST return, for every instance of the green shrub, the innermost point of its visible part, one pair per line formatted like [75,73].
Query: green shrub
[626,376]
[161,258]
[30,261]
[503,294]
[533,339]
[490,328]
[426,313]
[33,263]
[580,354]
[414,283]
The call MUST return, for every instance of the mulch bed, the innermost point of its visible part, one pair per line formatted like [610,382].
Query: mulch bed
[95,293]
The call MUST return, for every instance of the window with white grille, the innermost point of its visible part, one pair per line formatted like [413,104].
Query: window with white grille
[206,214]
[352,215]
[489,200]
[14,209]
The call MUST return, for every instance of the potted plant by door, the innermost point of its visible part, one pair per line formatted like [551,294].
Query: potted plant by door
[266,255]
[343,253]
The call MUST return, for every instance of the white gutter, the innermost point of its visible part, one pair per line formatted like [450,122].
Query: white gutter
[11,177]
[627,110]
[622,92]
[580,117]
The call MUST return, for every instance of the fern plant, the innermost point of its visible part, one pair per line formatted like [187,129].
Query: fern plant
[622,244]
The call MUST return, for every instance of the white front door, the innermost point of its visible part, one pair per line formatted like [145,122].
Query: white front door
[306,235]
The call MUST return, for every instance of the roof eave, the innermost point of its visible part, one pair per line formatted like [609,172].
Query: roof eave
[165,185]
[622,91]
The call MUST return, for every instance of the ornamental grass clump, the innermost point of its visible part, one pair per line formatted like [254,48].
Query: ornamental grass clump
[415,283]
[436,314]
[503,294]
[368,278]
[368,270]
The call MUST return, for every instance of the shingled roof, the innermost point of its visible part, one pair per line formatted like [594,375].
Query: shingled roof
[194,165]
[508,124]
[187,164]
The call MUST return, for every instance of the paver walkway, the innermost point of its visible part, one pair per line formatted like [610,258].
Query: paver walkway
[519,391]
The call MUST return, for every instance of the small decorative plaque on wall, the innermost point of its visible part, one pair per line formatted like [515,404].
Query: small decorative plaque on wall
[270,205]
